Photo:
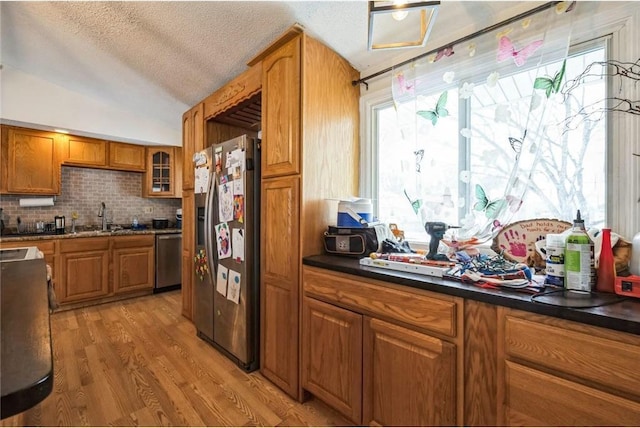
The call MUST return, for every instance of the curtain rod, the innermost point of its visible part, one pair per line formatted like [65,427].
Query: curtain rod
[457,42]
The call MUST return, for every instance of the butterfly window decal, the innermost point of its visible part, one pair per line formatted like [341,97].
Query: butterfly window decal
[506,50]
[438,112]
[419,156]
[550,85]
[516,144]
[491,208]
[416,204]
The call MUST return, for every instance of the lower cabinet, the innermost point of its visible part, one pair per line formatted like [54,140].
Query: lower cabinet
[90,269]
[48,248]
[332,356]
[409,378]
[133,263]
[362,355]
[558,373]
[85,269]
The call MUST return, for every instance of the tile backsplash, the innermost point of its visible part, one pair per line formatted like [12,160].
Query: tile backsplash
[83,189]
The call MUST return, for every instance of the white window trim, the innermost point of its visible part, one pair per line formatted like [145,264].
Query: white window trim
[593,20]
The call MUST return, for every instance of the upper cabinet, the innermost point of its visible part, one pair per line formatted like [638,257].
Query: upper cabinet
[281,111]
[192,141]
[85,151]
[127,157]
[30,161]
[163,177]
[94,153]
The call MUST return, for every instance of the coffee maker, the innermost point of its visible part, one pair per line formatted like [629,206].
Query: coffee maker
[59,222]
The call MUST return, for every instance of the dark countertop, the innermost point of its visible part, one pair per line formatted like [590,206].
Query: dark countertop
[623,315]
[26,373]
[86,234]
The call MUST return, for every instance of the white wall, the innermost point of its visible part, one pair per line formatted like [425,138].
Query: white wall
[30,101]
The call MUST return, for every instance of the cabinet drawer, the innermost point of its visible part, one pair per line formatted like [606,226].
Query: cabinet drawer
[83,244]
[594,354]
[47,247]
[133,241]
[415,307]
[535,398]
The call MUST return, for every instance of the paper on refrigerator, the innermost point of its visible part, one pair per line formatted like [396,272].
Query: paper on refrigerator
[221,281]
[233,289]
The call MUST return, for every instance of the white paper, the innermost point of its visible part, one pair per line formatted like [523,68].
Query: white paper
[225,190]
[233,291]
[36,202]
[238,186]
[223,240]
[221,283]
[237,239]
[201,180]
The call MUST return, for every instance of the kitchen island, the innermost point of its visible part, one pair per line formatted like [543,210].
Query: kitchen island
[26,372]
[396,348]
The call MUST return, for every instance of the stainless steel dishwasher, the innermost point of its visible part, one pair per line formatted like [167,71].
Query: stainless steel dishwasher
[168,261]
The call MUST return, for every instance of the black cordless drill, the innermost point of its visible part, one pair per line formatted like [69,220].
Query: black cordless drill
[436,230]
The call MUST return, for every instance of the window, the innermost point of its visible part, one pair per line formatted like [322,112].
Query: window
[478,142]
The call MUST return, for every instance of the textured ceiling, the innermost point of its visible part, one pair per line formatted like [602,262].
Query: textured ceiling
[163,56]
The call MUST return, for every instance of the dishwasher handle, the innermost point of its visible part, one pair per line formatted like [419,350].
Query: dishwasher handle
[161,237]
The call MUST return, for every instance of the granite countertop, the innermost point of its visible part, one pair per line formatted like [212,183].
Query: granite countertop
[86,234]
[623,315]
[26,373]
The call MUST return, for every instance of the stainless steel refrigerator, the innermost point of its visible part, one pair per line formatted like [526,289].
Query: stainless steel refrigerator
[226,286]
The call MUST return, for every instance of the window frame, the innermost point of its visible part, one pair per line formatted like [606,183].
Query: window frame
[619,25]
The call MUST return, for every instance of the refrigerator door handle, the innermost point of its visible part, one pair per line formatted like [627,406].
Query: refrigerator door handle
[208,226]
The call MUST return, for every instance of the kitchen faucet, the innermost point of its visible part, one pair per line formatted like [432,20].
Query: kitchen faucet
[103,213]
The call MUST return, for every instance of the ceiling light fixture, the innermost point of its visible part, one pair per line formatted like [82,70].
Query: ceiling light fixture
[399,24]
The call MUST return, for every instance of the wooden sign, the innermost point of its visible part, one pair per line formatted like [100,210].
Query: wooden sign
[517,240]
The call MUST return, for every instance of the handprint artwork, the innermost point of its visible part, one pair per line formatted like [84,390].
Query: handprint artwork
[515,245]
[517,240]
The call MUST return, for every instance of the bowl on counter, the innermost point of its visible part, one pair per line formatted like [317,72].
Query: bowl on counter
[160,223]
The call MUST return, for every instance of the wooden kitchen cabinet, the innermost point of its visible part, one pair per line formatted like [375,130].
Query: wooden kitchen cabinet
[409,378]
[49,248]
[127,157]
[133,260]
[279,270]
[281,111]
[332,356]
[83,151]
[188,252]
[30,161]
[381,354]
[310,122]
[163,176]
[192,141]
[84,272]
[555,372]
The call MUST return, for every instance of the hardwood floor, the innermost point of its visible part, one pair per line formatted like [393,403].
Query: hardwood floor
[139,363]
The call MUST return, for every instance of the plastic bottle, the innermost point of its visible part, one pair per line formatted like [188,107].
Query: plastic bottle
[555,260]
[606,265]
[634,265]
[578,259]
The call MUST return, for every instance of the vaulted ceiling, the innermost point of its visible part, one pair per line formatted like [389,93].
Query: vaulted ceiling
[163,57]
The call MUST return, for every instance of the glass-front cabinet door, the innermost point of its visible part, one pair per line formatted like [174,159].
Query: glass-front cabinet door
[161,175]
